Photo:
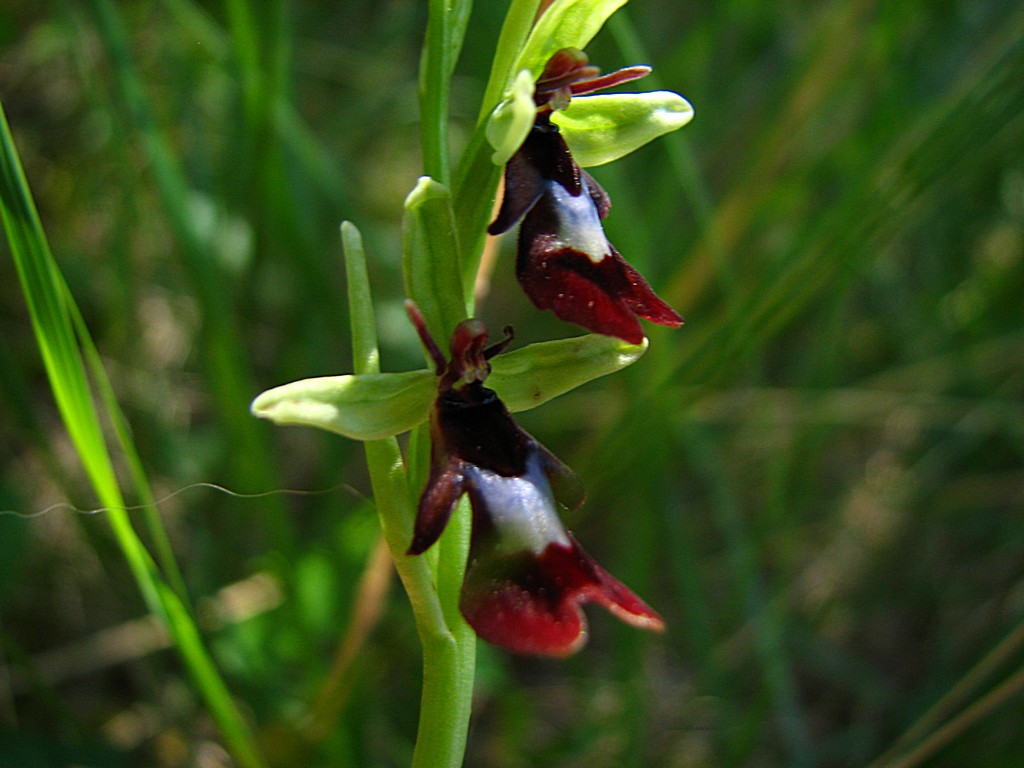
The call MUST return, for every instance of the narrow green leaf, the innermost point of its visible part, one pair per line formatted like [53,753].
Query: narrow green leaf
[457,19]
[600,129]
[365,354]
[446,29]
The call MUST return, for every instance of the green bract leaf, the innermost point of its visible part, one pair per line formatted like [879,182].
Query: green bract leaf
[363,407]
[527,377]
[600,129]
[565,24]
[365,354]
[431,256]
[511,120]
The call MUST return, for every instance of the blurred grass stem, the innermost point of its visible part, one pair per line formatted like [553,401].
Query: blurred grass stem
[223,349]
[54,320]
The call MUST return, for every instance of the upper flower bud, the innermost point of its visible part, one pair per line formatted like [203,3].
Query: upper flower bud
[598,129]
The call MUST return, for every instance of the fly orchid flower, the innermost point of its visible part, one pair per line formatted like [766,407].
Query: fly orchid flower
[564,261]
[526,577]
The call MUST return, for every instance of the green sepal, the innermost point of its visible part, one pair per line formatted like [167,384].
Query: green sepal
[512,120]
[377,405]
[528,377]
[367,406]
[430,257]
[565,24]
[600,129]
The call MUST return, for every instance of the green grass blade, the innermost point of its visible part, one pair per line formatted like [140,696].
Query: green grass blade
[54,320]
[154,525]
[767,629]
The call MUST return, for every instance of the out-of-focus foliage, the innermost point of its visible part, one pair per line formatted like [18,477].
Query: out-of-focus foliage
[817,481]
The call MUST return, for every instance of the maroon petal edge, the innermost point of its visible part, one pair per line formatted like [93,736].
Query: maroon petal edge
[441,494]
[605,297]
[532,604]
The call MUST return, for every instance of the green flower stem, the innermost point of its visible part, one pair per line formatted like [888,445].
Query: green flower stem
[449,650]
[434,582]
[448,644]
[448,655]
[452,698]
[446,29]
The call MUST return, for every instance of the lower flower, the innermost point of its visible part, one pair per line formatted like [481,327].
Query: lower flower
[526,578]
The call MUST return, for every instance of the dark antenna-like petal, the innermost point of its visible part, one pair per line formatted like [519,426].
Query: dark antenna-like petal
[444,488]
[436,355]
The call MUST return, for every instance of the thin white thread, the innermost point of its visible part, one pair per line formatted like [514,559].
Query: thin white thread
[65,506]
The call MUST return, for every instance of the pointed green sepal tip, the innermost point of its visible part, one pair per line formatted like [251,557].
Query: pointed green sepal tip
[512,119]
[362,407]
[600,129]
[528,377]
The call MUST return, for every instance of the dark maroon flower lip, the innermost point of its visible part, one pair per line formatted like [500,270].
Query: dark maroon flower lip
[566,264]
[564,260]
[526,578]
[532,603]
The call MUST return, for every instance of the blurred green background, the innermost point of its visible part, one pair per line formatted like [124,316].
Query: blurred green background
[818,480]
